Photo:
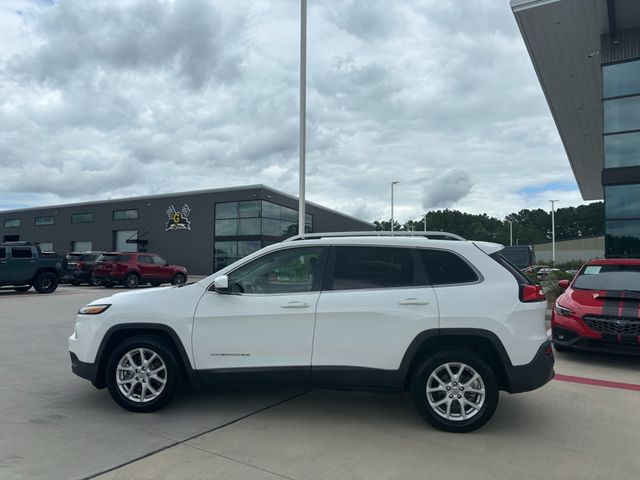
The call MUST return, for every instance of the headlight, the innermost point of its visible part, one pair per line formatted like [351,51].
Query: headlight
[563,311]
[93,309]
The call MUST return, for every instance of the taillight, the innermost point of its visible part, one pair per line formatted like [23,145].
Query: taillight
[532,293]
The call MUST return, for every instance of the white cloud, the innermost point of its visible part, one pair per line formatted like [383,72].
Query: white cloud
[136,97]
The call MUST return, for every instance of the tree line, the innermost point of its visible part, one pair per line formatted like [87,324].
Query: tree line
[529,226]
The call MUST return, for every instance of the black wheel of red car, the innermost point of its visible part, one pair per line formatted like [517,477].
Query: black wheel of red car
[131,280]
[178,279]
[455,391]
[22,289]
[143,373]
[46,282]
[95,282]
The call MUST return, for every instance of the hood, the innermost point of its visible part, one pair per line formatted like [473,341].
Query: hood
[599,302]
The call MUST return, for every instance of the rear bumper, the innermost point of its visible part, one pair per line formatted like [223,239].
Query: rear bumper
[533,375]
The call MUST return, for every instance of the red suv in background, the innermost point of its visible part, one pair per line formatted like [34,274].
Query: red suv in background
[132,269]
[600,309]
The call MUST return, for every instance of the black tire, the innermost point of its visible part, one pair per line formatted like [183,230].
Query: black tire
[131,280]
[149,344]
[487,402]
[95,282]
[22,289]
[178,279]
[46,282]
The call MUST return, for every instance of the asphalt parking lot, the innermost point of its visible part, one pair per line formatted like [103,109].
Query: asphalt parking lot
[54,425]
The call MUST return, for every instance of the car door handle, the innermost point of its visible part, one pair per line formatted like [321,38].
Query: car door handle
[413,301]
[295,305]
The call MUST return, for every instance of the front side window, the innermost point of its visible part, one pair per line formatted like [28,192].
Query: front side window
[159,261]
[446,268]
[372,267]
[287,271]
[145,260]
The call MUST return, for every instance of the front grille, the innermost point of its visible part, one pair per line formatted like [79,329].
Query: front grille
[615,325]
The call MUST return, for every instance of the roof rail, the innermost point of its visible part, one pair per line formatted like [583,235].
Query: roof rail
[430,235]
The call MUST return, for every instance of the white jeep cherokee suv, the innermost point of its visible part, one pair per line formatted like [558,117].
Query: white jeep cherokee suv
[448,319]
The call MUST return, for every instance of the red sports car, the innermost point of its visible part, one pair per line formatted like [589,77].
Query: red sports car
[600,308]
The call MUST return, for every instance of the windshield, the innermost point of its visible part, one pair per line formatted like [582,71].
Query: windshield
[609,277]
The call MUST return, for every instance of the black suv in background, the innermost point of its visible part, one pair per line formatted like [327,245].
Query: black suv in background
[80,267]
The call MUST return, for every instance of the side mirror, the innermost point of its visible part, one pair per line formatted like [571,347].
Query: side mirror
[564,284]
[221,284]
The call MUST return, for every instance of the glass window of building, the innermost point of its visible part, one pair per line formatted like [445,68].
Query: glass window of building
[622,201]
[249,226]
[622,114]
[247,247]
[250,209]
[271,227]
[270,210]
[226,228]
[622,150]
[227,210]
[82,217]
[44,221]
[130,214]
[622,238]
[12,222]
[621,79]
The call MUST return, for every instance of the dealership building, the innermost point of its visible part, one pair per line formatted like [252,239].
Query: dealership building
[586,54]
[203,230]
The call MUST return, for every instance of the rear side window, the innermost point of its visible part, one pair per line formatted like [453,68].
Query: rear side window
[446,268]
[3,252]
[372,267]
[145,259]
[21,253]
[109,257]
[512,269]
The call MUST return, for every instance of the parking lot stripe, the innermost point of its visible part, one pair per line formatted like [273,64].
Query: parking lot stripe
[597,383]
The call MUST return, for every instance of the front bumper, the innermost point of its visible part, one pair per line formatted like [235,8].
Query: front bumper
[533,375]
[607,343]
[88,371]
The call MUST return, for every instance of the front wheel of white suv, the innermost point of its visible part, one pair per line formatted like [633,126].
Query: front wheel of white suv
[455,391]
[143,373]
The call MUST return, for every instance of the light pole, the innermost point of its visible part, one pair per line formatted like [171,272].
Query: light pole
[553,231]
[303,114]
[392,184]
[510,232]
[425,222]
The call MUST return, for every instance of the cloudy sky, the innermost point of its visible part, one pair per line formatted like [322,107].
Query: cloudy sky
[110,99]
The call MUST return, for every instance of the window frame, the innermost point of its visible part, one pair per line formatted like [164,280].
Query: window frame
[8,220]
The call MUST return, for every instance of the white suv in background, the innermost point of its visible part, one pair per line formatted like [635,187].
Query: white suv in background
[448,319]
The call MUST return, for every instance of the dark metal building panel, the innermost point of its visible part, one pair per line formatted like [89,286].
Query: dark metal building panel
[626,46]
[191,244]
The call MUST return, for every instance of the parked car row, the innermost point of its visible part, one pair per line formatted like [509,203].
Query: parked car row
[23,265]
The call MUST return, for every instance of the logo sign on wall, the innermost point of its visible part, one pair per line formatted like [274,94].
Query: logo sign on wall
[178,220]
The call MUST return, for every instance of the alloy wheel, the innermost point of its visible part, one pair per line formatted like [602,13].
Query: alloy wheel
[455,391]
[141,375]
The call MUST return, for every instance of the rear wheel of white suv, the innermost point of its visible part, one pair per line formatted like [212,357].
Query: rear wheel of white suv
[143,373]
[455,391]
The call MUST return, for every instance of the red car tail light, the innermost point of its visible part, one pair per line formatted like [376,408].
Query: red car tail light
[532,293]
